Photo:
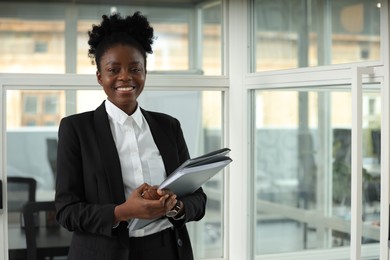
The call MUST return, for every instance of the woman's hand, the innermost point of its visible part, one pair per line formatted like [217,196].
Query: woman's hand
[145,202]
[153,193]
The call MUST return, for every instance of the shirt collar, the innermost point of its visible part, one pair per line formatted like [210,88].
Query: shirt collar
[120,117]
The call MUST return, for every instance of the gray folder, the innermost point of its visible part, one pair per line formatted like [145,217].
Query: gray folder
[189,177]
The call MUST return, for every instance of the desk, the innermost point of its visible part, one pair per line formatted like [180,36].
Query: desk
[49,240]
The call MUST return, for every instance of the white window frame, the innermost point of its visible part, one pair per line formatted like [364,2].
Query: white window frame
[88,82]
[238,83]
[242,83]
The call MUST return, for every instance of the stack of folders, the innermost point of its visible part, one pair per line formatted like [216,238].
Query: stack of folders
[189,177]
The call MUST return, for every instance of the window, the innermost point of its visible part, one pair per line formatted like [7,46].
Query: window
[30,105]
[40,47]
[302,170]
[51,103]
[51,37]
[301,33]
[32,38]
[31,144]
[39,108]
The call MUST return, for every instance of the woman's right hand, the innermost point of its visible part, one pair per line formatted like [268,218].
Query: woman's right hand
[137,206]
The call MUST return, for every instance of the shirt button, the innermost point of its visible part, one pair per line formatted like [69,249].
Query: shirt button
[179,242]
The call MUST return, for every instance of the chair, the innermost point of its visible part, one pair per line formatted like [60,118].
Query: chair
[52,144]
[44,237]
[20,190]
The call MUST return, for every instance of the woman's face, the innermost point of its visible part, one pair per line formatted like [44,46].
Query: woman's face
[122,75]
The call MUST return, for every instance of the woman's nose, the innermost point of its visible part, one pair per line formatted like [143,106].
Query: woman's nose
[125,75]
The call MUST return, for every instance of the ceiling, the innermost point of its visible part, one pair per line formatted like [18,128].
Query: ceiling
[177,3]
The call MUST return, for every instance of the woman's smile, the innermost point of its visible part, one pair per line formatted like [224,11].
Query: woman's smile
[125,88]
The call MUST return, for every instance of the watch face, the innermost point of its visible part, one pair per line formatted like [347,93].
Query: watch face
[171,213]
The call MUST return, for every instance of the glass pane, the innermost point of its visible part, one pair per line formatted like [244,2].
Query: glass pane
[212,39]
[303,33]
[371,166]
[170,47]
[302,169]
[29,42]
[200,114]
[50,37]
[32,150]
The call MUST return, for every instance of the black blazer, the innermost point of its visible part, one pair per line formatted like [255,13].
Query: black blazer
[89,183]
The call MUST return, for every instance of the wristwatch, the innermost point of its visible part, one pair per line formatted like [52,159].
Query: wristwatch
[173,212]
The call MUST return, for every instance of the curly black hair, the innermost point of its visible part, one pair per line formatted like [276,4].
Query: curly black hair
[132,30]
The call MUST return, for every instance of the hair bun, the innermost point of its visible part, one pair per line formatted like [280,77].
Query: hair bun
[134,26]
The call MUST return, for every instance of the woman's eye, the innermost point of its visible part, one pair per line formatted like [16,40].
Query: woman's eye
[135,70]
[113,70]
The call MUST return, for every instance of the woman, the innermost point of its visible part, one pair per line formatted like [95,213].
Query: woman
[110,159]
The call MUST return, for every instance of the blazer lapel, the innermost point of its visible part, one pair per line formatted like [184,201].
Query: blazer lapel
[109,154]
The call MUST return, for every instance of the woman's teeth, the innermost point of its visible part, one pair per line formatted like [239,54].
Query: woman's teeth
[125,89]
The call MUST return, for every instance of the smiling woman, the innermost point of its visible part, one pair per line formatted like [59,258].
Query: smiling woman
[109,157]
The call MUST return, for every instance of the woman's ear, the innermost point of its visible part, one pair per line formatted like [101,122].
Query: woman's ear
[99,77]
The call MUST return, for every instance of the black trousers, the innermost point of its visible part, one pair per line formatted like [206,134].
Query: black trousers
[160,246]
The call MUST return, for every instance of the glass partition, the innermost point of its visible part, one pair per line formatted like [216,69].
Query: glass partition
[33,117]
[304,33]
[47,37]
[302,169]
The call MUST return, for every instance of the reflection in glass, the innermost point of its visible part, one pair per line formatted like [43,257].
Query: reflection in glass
[31,150]
[302,33]
[302,170]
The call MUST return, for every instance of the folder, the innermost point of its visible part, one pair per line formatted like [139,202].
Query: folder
[189,177]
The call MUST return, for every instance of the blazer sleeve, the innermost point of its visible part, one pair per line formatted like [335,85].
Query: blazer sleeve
[79,205]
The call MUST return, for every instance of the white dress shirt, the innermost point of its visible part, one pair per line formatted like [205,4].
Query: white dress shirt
[139,157]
